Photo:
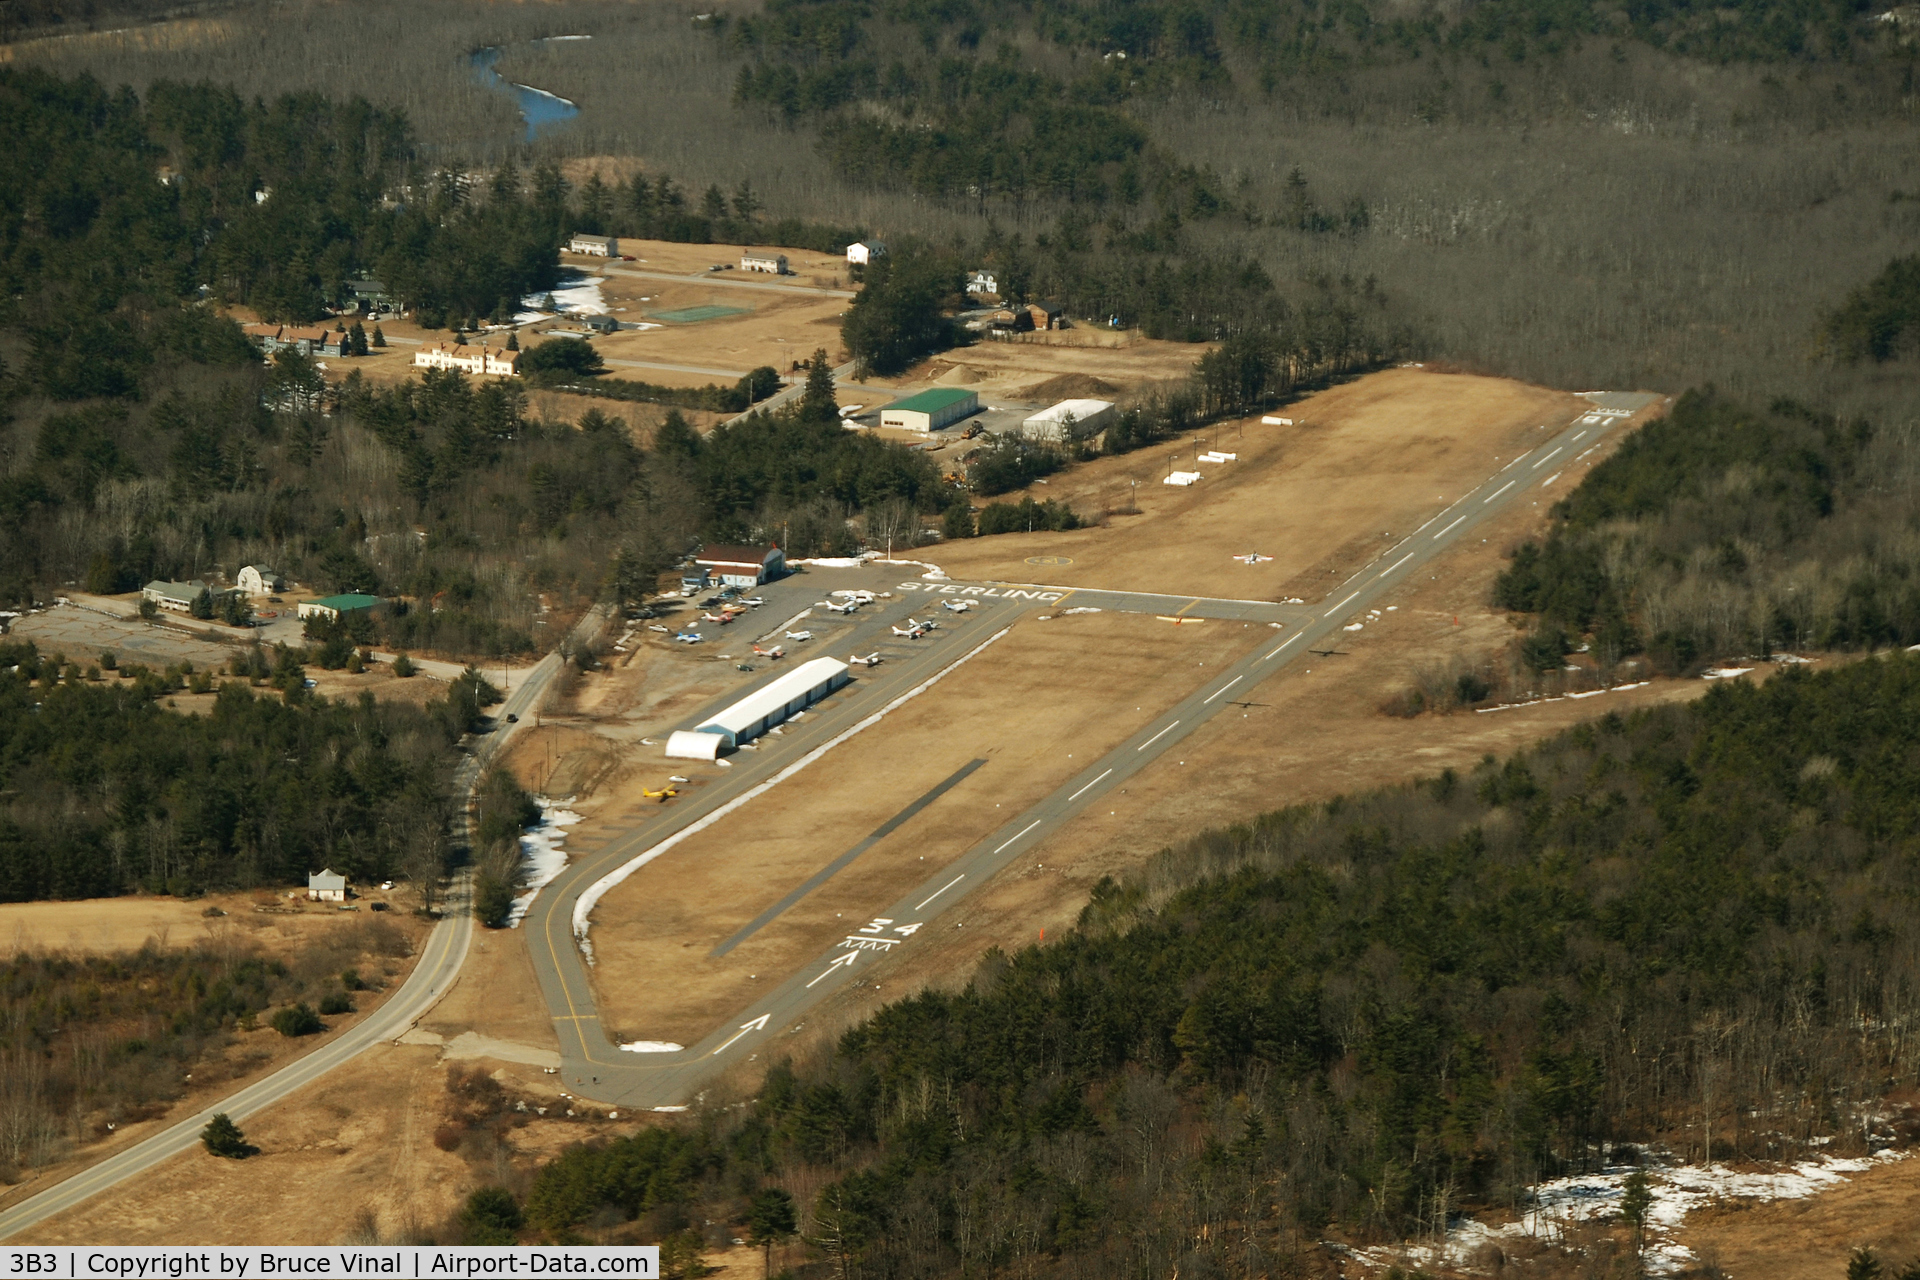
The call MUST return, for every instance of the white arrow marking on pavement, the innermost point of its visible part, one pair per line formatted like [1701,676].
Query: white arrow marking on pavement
[1497,492]
[1076,795]
[1156,737]
[757,1024]
[845,959]
[1222,689]
[943,888]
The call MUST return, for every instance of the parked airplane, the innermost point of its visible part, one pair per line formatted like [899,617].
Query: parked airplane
[799,635]
[687,637]
[834,606]
[777,651]
[912,631]
[871,660]
[957,606]
[655,627]
[663,795]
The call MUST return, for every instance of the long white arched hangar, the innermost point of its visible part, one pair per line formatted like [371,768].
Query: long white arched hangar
[760,710]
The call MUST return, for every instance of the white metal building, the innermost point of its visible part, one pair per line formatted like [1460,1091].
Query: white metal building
[690,744]
[759,711]
[742,566]
[1069,420]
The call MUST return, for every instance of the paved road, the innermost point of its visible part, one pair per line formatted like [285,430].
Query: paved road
[596,1068]
[440,960]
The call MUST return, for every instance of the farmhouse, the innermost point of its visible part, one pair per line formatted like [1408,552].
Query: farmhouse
[742,566]
[759,711]
[327,886]
[598,246]
[930,410]
[369,295]
[175,596]
[334,608]
[861,252]
[984,282]
[259,580]
[772,263]
[1068,421]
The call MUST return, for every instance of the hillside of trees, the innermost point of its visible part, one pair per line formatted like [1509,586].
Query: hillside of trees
[1348,1020]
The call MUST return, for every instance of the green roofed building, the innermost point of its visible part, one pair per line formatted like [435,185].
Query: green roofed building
[335,608]
[930,410]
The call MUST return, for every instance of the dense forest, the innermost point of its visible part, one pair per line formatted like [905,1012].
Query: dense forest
[1724,530]
[1349,1020]
[103,790]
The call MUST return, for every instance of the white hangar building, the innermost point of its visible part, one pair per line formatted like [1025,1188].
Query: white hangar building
[760,710]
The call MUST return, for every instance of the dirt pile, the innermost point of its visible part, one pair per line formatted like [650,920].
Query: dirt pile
[1068,386]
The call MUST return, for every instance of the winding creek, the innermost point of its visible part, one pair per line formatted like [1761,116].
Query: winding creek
[540,109]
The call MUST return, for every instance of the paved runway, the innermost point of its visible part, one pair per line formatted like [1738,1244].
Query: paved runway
[595,1068]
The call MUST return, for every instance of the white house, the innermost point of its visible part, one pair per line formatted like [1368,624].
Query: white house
[983,282]
[774,264]
[258,580]
[327,886]
[598,246]
[475,360]
[861,252]
[175,596]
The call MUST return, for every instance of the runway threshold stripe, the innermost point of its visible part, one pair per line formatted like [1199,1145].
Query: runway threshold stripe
[942,889]
[1222,689]
[1497,492]
[833,868]
[1082,791]
[1156,737]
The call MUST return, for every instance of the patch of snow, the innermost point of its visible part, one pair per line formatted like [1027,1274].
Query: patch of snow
[1355,627]
[1677,1191]
[1723,673]
[541,857]
[652,1046]
[1080,608]
[574,295]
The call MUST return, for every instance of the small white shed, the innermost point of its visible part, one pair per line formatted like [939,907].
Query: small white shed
[327,886]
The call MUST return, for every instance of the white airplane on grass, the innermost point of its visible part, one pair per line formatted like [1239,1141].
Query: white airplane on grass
[871,660]
[799,635]
[687,637]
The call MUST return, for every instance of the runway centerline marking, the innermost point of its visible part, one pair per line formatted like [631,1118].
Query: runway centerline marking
[1497,492]
[1344,603]
[1156,737]
[1396,564]
[1076,795]
[1283,644]
[1030,826]
[942,889]
[1444,532]
[1549,458]
[1222,689]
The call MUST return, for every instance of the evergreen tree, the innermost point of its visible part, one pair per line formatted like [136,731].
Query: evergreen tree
[513,340]
[202,606]
[770,1219]
[357,339]
[490,1216]
[379,338]
[402,666]
[818,402]
[223,1138]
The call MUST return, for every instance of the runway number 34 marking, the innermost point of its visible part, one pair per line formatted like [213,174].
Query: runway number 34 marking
[873,935]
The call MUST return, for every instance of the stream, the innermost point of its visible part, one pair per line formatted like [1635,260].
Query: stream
[540,109]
